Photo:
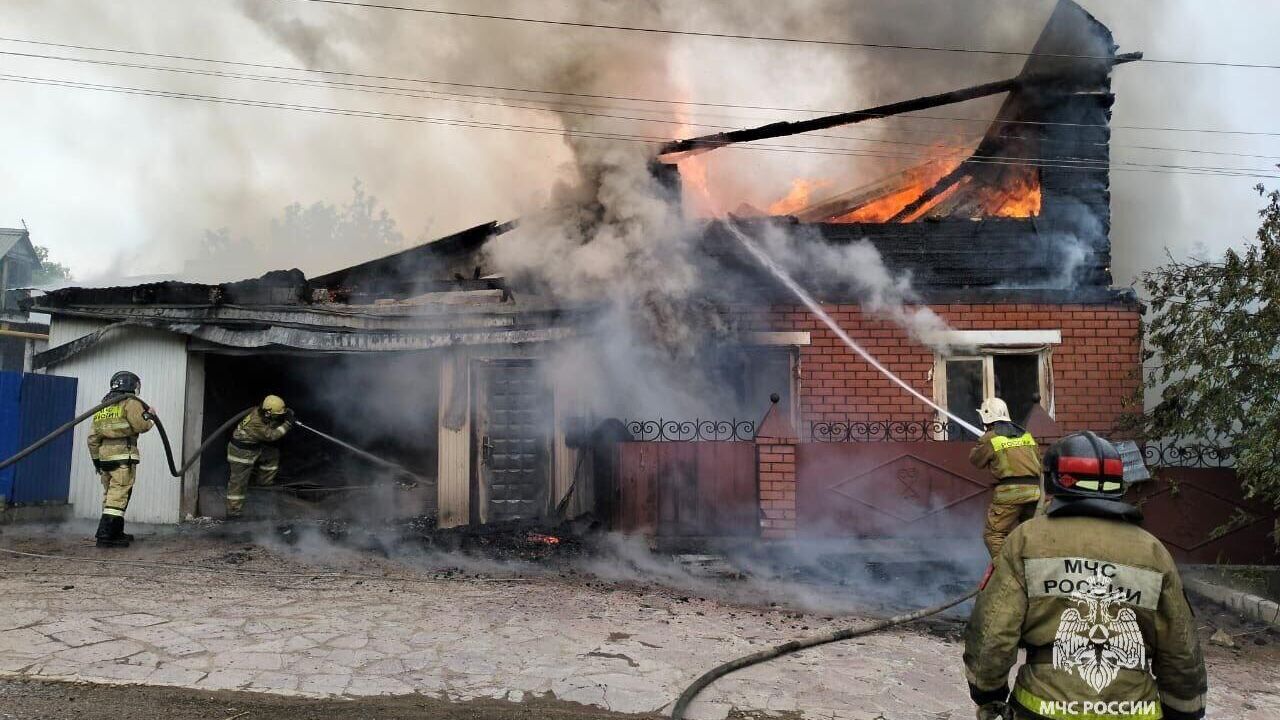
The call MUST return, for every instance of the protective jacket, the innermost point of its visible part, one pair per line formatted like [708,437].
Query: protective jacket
[254,430]
[1007,451]
[116,427]
[1099,606]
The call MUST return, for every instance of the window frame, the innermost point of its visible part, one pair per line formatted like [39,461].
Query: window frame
[985,345]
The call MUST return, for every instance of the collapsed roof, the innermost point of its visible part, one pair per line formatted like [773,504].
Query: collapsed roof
[1027,210]
[398,303]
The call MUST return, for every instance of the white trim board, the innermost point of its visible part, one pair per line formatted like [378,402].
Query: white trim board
[984,338]
[777,338]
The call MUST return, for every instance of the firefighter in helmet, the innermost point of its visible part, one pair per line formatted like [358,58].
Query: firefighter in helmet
[1094,599]
[252,452]
[1013,458]
[113,447]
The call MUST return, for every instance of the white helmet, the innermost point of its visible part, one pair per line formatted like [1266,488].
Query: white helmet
[993,410]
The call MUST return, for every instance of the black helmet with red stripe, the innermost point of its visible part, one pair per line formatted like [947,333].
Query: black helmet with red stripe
[1083,465]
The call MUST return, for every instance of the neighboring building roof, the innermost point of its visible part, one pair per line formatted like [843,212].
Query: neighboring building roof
[17,241]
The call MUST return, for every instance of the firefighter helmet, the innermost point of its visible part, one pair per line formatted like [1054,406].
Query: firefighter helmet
[1083,465]
[126,382]
[273,405]
[994,410]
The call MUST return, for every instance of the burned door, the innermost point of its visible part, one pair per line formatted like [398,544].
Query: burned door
[512,435]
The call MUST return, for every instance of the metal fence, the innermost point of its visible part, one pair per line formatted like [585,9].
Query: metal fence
[696,430]
[885,431]
[1155,453]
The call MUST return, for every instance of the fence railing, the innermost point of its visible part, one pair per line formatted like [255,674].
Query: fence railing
[1155,453]
[696,430]
[885,431]
[1165,453]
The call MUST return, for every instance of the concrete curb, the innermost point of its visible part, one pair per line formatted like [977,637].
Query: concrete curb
[1250,606]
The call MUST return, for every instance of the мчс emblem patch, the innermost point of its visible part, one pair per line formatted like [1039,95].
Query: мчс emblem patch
[1098,637]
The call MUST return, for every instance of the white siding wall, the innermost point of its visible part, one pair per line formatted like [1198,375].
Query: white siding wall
[160,359]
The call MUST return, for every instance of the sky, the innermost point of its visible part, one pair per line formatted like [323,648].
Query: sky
[120,184]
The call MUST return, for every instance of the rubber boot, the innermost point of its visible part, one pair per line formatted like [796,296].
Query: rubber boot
[106,535]
[117,531]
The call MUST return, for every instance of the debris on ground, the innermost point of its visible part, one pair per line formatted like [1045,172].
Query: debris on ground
[1222,638]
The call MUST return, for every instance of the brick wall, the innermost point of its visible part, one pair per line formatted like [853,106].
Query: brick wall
[1096,368]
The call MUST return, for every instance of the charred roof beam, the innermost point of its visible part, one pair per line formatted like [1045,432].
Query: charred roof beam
[784,129]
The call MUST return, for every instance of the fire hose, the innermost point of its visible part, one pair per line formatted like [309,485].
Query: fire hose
[174,469]
[361,453]
[53,435]
[686,697]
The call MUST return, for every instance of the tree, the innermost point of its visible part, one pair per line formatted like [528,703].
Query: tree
[1213,339]
[321,236]
[48,271]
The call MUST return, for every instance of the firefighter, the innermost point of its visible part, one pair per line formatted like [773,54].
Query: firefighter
[113,447]
[1094,599]
[1013,458]
[252,452]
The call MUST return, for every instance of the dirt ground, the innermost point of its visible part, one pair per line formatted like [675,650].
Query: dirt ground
[263,623]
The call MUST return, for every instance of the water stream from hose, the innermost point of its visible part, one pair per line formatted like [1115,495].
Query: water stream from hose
[782,276]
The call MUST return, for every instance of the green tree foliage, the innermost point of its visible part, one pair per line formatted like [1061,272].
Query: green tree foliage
[48,271]
[1213,338]
[321,236]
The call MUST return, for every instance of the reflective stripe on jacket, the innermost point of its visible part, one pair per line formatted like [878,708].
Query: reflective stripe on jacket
[114,437]
[1100,603]
[1007,453]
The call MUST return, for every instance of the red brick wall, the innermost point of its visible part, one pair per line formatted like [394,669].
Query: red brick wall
[1096,368]
[776,462]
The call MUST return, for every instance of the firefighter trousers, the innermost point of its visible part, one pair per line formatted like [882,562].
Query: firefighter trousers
[1012,504]
[117,486]
[249,465]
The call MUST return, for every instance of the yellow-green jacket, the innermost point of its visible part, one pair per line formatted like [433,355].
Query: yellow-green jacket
[1098,604]
[1008,451]
[114,437]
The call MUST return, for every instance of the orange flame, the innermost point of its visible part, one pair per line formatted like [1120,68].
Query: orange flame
[798,198]
[919,180]
[1019,199]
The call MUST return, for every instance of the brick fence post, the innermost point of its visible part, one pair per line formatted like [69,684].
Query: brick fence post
[776,443]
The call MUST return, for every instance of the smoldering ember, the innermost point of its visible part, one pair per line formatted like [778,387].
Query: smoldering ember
[653,444]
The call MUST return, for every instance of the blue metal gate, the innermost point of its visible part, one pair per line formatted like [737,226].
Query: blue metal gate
[31,406]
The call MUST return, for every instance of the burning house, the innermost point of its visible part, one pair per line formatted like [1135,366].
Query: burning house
[1007,244]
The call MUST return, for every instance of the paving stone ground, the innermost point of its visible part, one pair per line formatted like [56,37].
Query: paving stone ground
[622,647]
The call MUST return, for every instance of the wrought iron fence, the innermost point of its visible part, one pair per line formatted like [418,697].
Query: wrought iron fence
[696,430]
[886,431]
[1154,453]
[1164,453]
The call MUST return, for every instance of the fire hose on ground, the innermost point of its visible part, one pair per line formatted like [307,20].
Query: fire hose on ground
[686,697]
[174,469]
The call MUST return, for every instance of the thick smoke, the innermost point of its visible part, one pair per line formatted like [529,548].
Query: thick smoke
[171,169]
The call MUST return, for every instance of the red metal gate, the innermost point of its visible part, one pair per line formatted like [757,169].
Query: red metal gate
[881,489]
[687,489]
[1202,516]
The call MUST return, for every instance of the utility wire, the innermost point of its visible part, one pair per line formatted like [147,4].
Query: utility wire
[592,134]
[544,105]
[772,38]
[626,98]
[506,100]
